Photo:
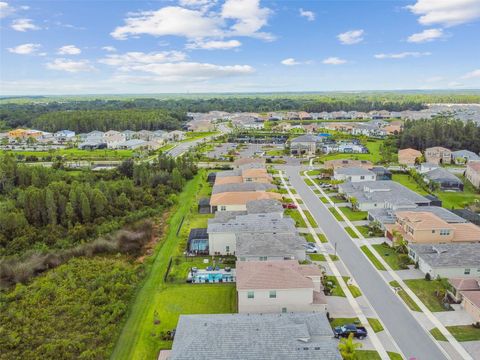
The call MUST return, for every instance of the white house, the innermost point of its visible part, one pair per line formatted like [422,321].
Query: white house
[113,138]
[64,135]
[279,287]
[354,174]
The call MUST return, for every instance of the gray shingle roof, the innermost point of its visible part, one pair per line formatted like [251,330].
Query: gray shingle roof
[306,139]
[236,172]
[440,174]
[284,245]
[225,216]
[449,255]
[236,187]
[382,191]
[299,336]
[470,155]
[387,216]
[353,171]
[254,223]
[264,206]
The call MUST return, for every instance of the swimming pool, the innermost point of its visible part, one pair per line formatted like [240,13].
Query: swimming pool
[212,276]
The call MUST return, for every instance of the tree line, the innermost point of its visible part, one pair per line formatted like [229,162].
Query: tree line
[46,208]
[160,111]
[440,131]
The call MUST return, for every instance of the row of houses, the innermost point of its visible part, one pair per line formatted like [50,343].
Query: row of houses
[436,155]
[441,243]
[310,144]
[281,305]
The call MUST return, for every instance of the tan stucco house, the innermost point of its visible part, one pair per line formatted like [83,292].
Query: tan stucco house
[472,173]
[408,156]
[279,287]
[438,155]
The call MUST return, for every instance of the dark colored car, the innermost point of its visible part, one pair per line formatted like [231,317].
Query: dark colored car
[343,331]
[289,206]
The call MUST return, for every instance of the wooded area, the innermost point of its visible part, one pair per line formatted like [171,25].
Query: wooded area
[441,131]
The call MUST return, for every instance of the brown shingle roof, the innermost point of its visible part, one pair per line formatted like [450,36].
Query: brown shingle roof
[465,283]
[244,161]
[286,274]
[241,198]
[228,180]
[472,296]
[466,232]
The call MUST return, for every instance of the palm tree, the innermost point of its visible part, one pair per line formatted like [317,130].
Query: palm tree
[348,347]
[399,243]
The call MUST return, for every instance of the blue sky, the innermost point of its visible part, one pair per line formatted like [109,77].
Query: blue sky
[93,47]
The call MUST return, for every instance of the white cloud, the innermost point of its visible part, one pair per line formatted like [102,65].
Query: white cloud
[197,3]
[23,25]
[129,60]
[69,50]
[310,15]
[426,36]
[5,9]
[334,61]
[434,79]
[172,66]
[214,45]
[402,55]
[351,37]
[109,48]
[472,75]
[446,12]
[25,49]
[249,16]
[290,62]
[170,20]
[236,18]
[71,66]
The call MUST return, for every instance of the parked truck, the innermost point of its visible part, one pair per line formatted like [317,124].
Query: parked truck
[345,330]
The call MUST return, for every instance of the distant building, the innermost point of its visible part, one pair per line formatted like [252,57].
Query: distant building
[345,163]
[438,155]
[64,135]
[408,156]
[472,173]
[354,174]
[304,144]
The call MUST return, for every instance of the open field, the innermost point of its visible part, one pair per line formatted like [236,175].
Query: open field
[77,154]
[157,300]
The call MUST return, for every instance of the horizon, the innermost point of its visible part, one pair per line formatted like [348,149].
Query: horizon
[237,46]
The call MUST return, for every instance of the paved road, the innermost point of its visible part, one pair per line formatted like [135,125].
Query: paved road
[407,332]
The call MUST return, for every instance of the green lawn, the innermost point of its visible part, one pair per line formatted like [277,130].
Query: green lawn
[365,231]
[322,238]
[139,338]
[375,324]
[372,258]
[343,321]
[350,232]
[391,257]
[425,290]
[275,152]
[438,335]
[295,215]
[407,181]
[373,156]
[405,297]
[465,332]
[321,257]
[336,290]
[181,265]
[353,215]
[308,182]
[373,355]
[310,219]
[308,237]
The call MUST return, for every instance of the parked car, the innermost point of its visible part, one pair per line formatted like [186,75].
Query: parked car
[289,206]
[310,248]
[345,330]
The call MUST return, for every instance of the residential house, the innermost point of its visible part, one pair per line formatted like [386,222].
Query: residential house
[344,163]
[408,156]
[472,173]
[246,174]
[269,246]
[279,286]
[242,187]
[247,161]
[222,236]
[354,174]
[460,284]
[311,128]
[237,200]
[92,136]
[304,144]
[426,227]
[471,304]
[447,260]
[393,128]
[265,206]
[300,336]
[146,135]
[113,139]
[303,115]
[464,156]
[17,133]
[64,135]
[175,135]
[444,179]
[381,194]
[129,134]
[132,144]
[438,155]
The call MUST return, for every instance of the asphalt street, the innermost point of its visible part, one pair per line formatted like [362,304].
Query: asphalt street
[408,333]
